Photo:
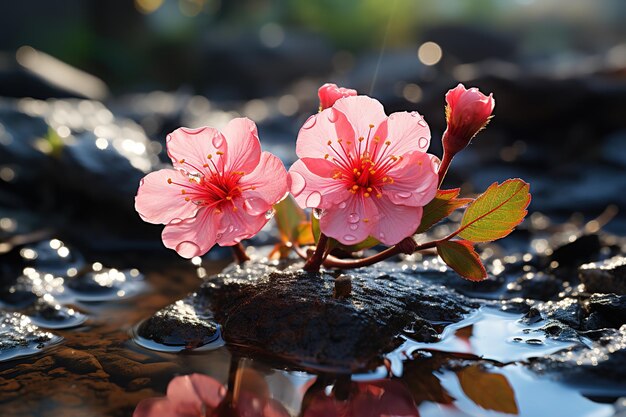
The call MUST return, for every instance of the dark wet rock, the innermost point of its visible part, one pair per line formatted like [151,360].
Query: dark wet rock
[47,313]
[179,325]
[567,311]
[535,286]
[423,331]
[603,364]
[19,337]
[608,276]
[292,315]
[577,250]
[609,309]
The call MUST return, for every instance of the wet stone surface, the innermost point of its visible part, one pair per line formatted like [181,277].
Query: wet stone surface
[292,315]
[19,336]
[606,276]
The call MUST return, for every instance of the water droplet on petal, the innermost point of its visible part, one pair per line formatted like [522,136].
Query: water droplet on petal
[353,218]
[188,249]
[297,183]
[354,226]
[318,213]
[230,229]
[270,213]
[342,205]
[349,238]
[333,115]
[423,143]
[414,114]
[218,140]
[422,122]
[403,194]
[381,235]
[310,122]
[219,236]
[314,199]
[255,206]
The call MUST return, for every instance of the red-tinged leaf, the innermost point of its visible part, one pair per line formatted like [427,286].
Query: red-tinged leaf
[461,256]
[488,390]
[289,217]
[304,234]
[444,203]
[496,212]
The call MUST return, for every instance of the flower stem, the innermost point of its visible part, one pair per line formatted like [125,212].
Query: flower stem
[333,262]
[315,261]
[445,164]
[239,252]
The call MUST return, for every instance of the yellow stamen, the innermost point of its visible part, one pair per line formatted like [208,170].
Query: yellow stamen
[183,191]
[228,198]
[235,208]
[369,189]
[361,139]
[379,195]
[329,142]
[376,139]
[326,156]
[385,179]
[219,152]
[371,126]
[182,161]
[366,220]
[355,187]
[169,180]
[205,165]
[209,156]
[388,142]
[187,198]
[366,194]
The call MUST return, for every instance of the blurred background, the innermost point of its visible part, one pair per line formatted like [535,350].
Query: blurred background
[89,89]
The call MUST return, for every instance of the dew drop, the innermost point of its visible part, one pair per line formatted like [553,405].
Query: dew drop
[318,213]
[423,143]
[297,183]
[349,238]
[381,235]
[333,115]
[403,194]
[353,218]
[218,140]
[270,213]
[422,122]
[255,206]
[354,226]
[188,249]
[310,122]
[342,205]
[314,199]
[219,236]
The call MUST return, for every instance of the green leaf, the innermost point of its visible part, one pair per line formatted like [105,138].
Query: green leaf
[315,228]
[289,217]
[444,203]
[496,212]
[461,256]
[488,390]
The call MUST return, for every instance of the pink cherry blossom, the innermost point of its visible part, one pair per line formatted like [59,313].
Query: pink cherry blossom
[220,191]
[198,395]
[467,112]
[367,173]
[330,93]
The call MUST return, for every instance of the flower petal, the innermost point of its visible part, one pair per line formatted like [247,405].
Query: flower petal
[318,130]
[181,392]
[361,112]
[395,222]
[159,201]
[415,180]
[269,180]
[405,132]
[156,407]
[189,148]
[208,389]
[313,191]
[242,223]
[194,236]
[243,150]
[351,221]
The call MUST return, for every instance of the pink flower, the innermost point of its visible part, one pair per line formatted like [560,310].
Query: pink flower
[467,112]
[220,191]
[369,174]
[198,395]
[330,93]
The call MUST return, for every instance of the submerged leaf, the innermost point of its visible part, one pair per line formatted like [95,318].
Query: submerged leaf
[496,212]
[488,390]
[461,256]
[444,203]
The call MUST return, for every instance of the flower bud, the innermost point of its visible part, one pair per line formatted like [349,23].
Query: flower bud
[329,93]
[467,112]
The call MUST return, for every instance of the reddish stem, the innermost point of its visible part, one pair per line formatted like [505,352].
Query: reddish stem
[333,262]
[315,261]
[239,252]
[445,164]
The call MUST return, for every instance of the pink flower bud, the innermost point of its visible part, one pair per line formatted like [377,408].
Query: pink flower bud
[467,112]
[329,93]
